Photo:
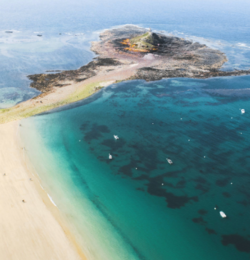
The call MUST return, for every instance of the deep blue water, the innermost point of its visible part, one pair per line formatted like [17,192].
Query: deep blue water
[137,206]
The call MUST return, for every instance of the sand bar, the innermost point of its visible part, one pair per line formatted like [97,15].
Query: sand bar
[31,226]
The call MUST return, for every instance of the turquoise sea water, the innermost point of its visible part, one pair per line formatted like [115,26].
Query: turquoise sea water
[137,206]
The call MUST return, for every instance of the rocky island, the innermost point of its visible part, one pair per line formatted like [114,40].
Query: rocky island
[125,53]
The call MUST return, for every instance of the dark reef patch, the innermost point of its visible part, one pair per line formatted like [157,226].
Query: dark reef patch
[199,220]
[226,194]
[241,243]
[173,201]
[211,231]
[244,202]
[222,182]
[113,144]
[202,212]
[202,188]
[95,132]
[127,169]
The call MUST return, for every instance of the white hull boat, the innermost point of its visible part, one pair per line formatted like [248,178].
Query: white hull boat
[222,214]
[169,161]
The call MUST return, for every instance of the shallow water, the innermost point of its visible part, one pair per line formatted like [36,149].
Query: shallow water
[137,206]
[137,202]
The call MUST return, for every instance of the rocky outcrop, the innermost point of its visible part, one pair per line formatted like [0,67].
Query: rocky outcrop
[153,55]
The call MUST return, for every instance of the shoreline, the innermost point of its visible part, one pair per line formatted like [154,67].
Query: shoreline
[50,238]
[60,96]
[33,227]
[173,58]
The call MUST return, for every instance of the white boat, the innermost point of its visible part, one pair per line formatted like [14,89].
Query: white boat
[110,156]
[242,111]
[116,137]
[222,214]
[169,161]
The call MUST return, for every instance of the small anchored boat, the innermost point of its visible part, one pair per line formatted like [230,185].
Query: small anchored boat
[222,214]
[169,161]
[116,137]
[242,111]
[110,156]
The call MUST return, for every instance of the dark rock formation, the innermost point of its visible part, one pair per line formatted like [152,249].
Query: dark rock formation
[166,57]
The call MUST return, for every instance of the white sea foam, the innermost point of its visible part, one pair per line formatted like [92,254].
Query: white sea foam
[5,53]
[12,39]
[79,34]
[243,45]
[51,200]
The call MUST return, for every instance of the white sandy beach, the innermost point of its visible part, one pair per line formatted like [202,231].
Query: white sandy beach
[31,227]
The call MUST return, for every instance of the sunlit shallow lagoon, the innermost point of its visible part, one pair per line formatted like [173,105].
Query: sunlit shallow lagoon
[137,205]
